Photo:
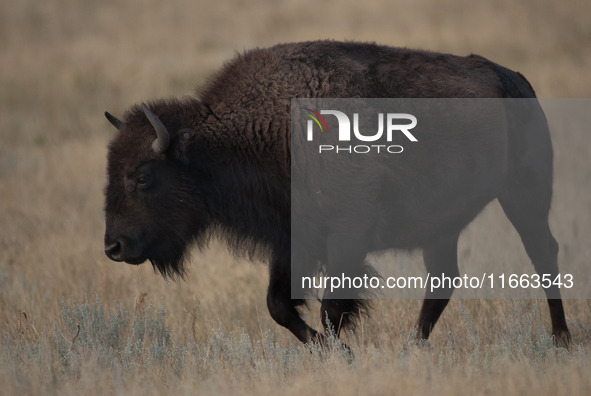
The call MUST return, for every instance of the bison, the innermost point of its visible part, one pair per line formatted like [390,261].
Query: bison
[180,170]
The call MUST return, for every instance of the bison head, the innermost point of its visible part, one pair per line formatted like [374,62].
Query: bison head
[154,209]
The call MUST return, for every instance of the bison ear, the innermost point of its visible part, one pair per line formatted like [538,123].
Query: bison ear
[185,141]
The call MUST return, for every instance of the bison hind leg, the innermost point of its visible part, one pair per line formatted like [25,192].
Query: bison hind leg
[527,199]
[528,211]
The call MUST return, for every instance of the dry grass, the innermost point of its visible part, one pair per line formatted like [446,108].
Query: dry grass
[63,62]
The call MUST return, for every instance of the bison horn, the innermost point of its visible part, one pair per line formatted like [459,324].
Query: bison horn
[160,144]
[113,120]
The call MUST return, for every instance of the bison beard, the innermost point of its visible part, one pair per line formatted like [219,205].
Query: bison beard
[172,263]
[183,170]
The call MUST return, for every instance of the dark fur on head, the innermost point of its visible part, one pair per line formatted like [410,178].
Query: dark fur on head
[201,187]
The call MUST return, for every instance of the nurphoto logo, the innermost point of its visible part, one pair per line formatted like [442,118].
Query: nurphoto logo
[344,134]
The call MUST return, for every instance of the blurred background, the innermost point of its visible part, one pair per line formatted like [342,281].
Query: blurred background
[64,62]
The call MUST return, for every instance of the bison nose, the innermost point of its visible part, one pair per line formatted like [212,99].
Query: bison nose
[113,249]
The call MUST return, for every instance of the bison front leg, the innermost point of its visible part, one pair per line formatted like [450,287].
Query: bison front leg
[440,258]
[343,304]
[284,309]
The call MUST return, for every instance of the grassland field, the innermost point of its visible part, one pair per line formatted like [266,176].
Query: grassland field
[73,322]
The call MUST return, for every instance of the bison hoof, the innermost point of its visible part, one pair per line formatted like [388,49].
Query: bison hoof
[321,344]
[562,340]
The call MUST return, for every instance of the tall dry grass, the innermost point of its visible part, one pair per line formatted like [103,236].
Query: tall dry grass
[63,62]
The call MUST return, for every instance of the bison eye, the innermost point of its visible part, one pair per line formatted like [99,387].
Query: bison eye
[143,180]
